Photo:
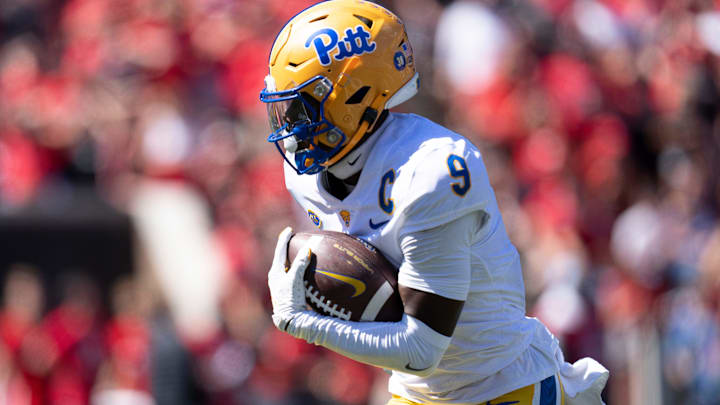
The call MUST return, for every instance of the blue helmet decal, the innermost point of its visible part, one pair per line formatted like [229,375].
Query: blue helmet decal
[327,40]
[399,60]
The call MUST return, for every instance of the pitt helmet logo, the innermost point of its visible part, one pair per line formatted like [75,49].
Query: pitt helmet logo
[328,40]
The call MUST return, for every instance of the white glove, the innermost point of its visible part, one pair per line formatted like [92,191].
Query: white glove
[286,286]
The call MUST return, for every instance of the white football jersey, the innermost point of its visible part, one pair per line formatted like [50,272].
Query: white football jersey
[420,175]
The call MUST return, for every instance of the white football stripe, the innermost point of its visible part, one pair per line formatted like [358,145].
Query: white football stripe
[314,242]
[377,302]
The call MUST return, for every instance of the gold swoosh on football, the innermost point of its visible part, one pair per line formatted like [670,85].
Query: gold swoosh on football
[358,285]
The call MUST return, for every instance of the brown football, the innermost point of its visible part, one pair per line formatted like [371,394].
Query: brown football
[348,278]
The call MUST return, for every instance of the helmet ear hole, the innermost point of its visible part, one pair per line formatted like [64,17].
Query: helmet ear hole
[358,96]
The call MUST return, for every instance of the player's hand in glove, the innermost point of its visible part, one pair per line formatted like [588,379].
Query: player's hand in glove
[286,285]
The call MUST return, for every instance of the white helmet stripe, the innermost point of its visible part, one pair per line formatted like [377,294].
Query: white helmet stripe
[406,92]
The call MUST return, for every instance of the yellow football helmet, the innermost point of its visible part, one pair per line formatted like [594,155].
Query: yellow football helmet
[333,68]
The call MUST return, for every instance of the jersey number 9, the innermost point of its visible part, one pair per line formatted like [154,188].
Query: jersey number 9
[458,170]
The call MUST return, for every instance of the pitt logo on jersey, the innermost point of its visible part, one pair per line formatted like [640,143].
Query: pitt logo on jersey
[345,215]
[328,40]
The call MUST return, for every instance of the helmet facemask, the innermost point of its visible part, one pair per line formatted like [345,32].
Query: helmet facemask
[300,130]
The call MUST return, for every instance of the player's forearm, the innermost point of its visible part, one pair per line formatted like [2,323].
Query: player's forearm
[408,346]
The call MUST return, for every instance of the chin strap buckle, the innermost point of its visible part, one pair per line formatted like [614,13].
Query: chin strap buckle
[369,116]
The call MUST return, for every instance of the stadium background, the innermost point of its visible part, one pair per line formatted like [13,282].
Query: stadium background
[139,201]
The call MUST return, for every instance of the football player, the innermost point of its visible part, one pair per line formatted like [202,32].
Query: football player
[418,192]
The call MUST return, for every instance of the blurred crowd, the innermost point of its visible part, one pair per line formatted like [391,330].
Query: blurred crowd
[598,121]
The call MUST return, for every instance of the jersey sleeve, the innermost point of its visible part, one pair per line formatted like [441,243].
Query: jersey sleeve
[447,183]
[437,260]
